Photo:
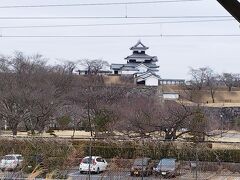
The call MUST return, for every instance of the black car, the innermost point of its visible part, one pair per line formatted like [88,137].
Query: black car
[166,167]
[142,167]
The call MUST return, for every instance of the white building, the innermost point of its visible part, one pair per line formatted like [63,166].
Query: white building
[142,66]
[170,96]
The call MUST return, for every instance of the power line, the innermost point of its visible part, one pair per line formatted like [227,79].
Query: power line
[111,17]
[113,24]
[119,36]
[96,4]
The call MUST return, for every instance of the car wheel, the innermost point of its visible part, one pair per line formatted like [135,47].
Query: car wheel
[98,170]
[81,172]
[16,168]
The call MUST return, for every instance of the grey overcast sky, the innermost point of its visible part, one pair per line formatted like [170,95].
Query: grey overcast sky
[175,54]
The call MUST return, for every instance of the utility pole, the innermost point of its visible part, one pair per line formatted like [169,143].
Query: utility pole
[142,142]
[233,7]
[90,159]
[221,116]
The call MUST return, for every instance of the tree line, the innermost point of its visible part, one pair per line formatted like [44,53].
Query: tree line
[36,96]
[205,78]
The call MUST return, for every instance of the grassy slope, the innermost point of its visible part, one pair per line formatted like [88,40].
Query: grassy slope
[222,96]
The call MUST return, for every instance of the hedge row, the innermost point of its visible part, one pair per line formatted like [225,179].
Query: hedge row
[157,150]
[60,155]
[54,155]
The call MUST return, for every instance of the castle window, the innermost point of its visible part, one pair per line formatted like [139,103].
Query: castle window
[132,60]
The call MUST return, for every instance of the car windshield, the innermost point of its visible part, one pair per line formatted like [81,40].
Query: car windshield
[141,162]
[87,160]
[19,157]
[167,163]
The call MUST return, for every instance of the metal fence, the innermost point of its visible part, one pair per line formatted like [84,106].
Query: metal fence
[208,160]
[166,160]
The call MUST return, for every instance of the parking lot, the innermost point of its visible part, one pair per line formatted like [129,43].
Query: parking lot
[10,175]
[184,176]
[125,175]
[109,175]
[118,169]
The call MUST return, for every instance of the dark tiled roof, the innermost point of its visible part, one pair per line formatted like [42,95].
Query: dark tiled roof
[139,46]
[133,66]
[116,66]
[147,74]
[134,55]
[129,69]
[150,65]
[142,56]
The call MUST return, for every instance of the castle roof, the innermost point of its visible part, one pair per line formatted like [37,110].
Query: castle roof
[139,46]
[132,65]
[142,56]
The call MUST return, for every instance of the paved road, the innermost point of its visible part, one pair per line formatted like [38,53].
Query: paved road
[107,176]
[126,176]
[9,175]
[231,135]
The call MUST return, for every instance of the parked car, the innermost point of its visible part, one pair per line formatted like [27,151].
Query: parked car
[142,166]
[11,162]
[93,164]
[166,167]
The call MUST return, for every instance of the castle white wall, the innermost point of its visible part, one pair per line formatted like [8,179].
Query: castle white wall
[170,96]
[142,68]
[151,81]
[128,72]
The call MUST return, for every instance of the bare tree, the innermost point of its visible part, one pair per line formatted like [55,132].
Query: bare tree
[237,80]
[136,115]
[48,94]
[142,116]
[67,66]
[4,64]
[73,111]
[12,104]
[212,83]
[12,109]
[205,78]
[31,91]
[97,101]
[230,80]
[94,66]
[198,77]
[173,117]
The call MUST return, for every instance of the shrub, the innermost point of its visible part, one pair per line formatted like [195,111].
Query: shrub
[157,150]
[53,153]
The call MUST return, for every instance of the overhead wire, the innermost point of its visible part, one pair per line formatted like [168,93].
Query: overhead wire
[109,17]
[199,18]
[113,24]
[119,36]
[96,4]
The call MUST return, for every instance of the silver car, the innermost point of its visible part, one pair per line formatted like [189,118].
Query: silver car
[11,162]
